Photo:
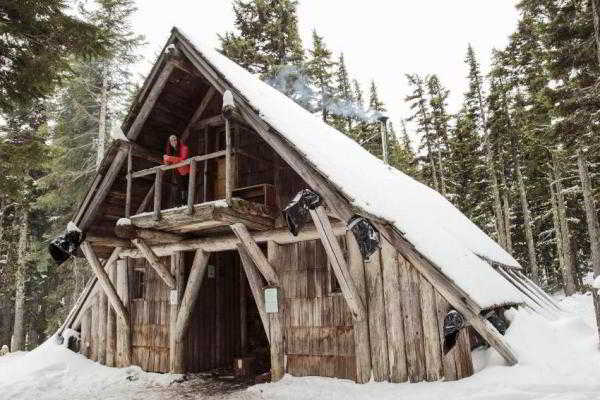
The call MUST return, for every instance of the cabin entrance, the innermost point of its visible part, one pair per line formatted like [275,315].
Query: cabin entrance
[225,329]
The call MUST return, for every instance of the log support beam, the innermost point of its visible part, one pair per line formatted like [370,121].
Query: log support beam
[255,254]
[338,263]
[154,261]
[182,322]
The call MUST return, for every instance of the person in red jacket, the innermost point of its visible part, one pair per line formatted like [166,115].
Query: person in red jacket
[175,152]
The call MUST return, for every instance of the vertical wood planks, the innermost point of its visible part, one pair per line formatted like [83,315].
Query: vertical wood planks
[448,360]
[94,335]
[361,328]
[393,314]
[431,332]
[86,333]
[377,322]
[411,313]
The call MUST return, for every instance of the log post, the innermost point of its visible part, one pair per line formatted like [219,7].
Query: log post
[146,200]
[256,286]
[129,183]
[243,314]
[123,355]
[228,169]
[192,187]
[174,301]
[153,260]
[205,170]
[157,193]
[338,263]
[276,322]
[362,349]
[111,325]
[190,296]
[102,313]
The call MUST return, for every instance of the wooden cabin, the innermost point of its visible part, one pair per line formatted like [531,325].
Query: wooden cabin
[220,282]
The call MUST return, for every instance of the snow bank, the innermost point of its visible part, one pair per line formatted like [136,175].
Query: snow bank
[558,360]
[432,224]
[52,372]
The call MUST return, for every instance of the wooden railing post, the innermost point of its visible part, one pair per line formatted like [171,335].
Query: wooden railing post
[192,187]
[228,180]
[205,172]
[129,183]
[157,193]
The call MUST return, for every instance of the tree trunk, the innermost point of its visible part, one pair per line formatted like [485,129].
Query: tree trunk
[506,209]
[568,272]
[430,156]
[596,17]
[18,337]
[592,223]
[102,120]
[557,232]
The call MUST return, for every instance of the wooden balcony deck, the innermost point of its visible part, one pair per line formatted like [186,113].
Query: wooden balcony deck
[210,217]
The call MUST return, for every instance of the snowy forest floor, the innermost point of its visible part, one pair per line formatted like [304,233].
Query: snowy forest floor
[558,359]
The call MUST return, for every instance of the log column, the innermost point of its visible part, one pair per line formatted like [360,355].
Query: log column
[123,357]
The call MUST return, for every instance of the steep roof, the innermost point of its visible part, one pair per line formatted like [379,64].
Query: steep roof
[437,229]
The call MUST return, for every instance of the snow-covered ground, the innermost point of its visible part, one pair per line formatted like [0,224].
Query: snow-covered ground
[558,359]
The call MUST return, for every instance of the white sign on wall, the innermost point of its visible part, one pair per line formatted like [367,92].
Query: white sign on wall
[271,300]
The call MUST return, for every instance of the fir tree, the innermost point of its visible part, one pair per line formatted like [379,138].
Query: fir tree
[319,68]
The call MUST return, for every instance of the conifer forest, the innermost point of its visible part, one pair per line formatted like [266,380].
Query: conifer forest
[520,158]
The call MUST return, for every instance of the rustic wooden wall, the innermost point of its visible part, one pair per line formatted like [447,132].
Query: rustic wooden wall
[318,326]
[149,318]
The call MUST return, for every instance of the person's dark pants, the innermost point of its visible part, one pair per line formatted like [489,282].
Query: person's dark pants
[182,188]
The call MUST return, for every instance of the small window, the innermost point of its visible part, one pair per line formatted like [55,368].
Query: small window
[138,287]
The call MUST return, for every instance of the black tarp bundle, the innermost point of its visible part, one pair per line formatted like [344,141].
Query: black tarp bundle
[65,246]
[453,323]
[297,213]
[366,235]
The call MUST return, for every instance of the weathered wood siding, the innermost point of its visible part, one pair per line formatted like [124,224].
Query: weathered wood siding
[319,338]
[149,318]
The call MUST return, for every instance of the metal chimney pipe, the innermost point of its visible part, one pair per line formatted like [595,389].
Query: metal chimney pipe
[384,144]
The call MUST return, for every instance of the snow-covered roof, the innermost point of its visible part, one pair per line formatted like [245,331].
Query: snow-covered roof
[437,229]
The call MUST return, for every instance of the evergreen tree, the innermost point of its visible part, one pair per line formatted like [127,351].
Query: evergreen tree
[344,104]
[38,40]
[439,121]
[319,68]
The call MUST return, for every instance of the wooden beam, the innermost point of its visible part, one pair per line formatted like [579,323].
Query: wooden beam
[157,193]
[338,263]
[123,356]
[255,254]
[228,242]
[131,232]
[192,187]
[110,176]
[129,183]
[276,325]
[104,280]
[199,112]
[146,200]
[148,105]
[362,348]
[88,198]
[228,166]
[215,120]
[153,260]
[186,307]
[256,286]
[107,241]
[111,326]
[176,349]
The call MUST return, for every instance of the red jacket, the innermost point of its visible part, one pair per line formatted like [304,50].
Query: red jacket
[183,153]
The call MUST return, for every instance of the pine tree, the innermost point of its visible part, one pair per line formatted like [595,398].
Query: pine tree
[422,117]
[344,103]
[319,68]
[38,40]
[439,121]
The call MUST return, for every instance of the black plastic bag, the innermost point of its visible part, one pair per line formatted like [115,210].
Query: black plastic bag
[453,323]
[65,246]
[297,213]
[366,235]
[499,323]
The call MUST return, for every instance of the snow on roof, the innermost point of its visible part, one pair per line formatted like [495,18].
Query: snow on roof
[437,229]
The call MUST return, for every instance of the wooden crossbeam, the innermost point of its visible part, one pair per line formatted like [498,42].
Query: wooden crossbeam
[338,263]
[255,254]
[199,112]
[152,258]
[256,287]
[104,280]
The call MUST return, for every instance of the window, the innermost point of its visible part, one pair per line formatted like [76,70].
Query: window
[138,284]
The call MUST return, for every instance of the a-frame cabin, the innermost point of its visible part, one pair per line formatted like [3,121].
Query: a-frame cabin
[192,287]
